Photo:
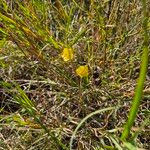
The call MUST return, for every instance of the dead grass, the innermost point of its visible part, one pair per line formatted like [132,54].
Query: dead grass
[104,34]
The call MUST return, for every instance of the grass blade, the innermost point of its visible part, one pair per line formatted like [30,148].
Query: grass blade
[140,85]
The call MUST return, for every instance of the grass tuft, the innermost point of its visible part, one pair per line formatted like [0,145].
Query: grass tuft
[68,63]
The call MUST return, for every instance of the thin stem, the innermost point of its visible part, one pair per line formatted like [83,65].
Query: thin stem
[142,76]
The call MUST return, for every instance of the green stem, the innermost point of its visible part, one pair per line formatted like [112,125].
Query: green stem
[142,76]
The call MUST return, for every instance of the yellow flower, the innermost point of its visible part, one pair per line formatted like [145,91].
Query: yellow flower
[82,71]
[67,54]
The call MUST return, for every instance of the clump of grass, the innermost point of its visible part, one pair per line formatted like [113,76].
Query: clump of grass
[66,60]
[21,98]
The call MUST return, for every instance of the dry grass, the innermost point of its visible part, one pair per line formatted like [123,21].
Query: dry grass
[103,34]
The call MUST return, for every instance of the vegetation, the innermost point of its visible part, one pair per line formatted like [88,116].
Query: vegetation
[68,72]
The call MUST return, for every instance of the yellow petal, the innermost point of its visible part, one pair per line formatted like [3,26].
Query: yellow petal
[67,54]
[82,71]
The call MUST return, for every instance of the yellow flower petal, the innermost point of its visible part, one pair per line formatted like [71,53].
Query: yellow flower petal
[67,54]
[82,71]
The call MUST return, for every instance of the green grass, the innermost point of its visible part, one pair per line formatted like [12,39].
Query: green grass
[45,104]
[142,76]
